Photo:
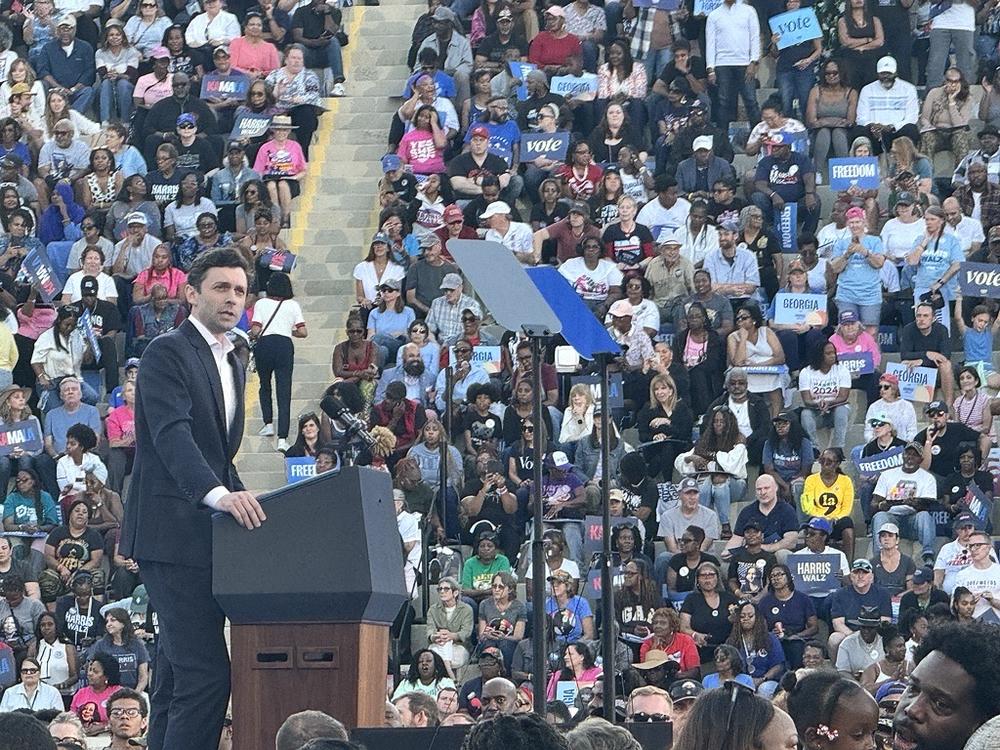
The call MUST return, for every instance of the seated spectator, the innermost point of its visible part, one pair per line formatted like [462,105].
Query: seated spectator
[156,85]
[133,255]
[759,647]
[706,611]
[117,64]
[31,693]
[979,191]
[830,114]
[571,616]
[927,343]
[67,64]
[103,681]
[164,118]
[307,441]
[580,176]
[251,53]
[92,267]
[893,666]
[887,108]
[106,508]
[593,277]
[786,177]
[227,189]
[133,198]
[987,154]
[78,461]
[697,174]
[829,494]
[502,617]
[944,116]
[70,548]
[677,522]
[450,625]
[893,570]
[901,498]
[666,419]
[753,344]
[211,28]
[568,233]
[402,416]
[788,456]
[120,643]
[282,164]
[825,386]
[966,474]
[863,648]
[790,614]
[733,270]
[847,604]
[154,317]
[181,215]
[620,78]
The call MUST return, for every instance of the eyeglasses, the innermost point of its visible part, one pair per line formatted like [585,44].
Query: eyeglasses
[528,428]
[147,5]
[643,718]
[469,318]
[63,132]
[442,589]
[355,330]
[499,586]
[971,545]
[117,713]
[33,670]
[462,350]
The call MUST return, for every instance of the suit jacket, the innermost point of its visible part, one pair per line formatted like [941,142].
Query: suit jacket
[182,450]
[687,173]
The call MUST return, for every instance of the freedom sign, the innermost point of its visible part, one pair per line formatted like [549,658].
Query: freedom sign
[914,385]
[297,469]
[815,574]
[39,270]
[519,72]
[795,27]
[23,435]
[794,309]
[874,465]
[859,171]
[979,279]
[250,125]
[550,145]
[218,86]
[571,86]
[785,226]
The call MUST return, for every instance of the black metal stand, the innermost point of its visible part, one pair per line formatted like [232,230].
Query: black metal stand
[607,589]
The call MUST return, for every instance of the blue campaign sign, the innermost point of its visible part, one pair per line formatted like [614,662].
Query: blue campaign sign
[657,4]
[979,280]
[860,172]
[888,339]
[86,325]
[23,435]
[915,384]
[857,363]
[250,125]
[41,273]
[978,503]
[874,465]
[218,86]
[550,145]
[786,227]
[791,308]
[815,574]
[574,86]
[519,71]
[943,521]
[704,7]
[795,27]
[297,469]
[616,400]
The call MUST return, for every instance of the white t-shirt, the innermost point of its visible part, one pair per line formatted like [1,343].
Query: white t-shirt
[518,238]
[898,238]
[590,284]
[952,559]
[105,286]
[968,231]
[959,17]
[898,487]
[365,273]
[288,316]
[979,582]
[658,218]
[828,235]
[824,385]
[844,567]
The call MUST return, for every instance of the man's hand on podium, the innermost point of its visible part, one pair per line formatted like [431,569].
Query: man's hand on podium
[243,506]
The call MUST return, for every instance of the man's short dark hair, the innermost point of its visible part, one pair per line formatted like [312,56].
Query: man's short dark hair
[422,702]
[20,731]
[220,257]
[329,743]
[975,647]
[514,732]
[303,726]
[125,693]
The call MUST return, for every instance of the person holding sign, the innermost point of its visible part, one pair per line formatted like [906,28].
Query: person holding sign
[927,343]
[902,496]
[982,577]
[796,66]
[786,177]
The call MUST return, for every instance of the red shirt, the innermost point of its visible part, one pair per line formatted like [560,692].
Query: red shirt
[467,233]
[581,188]
[545,49]
[680,648]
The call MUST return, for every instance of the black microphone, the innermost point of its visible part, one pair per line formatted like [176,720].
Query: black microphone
[336,409]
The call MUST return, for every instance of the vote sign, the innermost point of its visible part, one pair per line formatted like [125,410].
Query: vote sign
[859,171]
[979,280]
[815,575]
[549,145]
[23,435]
[916,384]
[795,27]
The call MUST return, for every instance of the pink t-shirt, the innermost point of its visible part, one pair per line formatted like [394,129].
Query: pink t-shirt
[87,695]
[253,58]
[172,280]
[285,160]
[120,423]
[418,150]
[864,343]
[151,91]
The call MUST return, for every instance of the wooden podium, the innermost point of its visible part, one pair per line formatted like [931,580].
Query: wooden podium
[311,596]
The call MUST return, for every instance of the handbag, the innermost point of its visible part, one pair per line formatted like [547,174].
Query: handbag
[252,364]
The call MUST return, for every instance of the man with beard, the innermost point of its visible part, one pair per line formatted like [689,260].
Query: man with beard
[887,109]
[411,372]
[953,690]
[503,138]
[786,177]
[423,278]
[988,153]
[468,168]
[733,269]
[979,198]
[499,698]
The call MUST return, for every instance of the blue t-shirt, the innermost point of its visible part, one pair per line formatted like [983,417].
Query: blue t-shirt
[444,82]
[859,283]
[569,620]
[21,510]
[847,603]
[713,681]
[793,614]
[503,136]
[390,321]
[758,661]
[934,262]
[787,459]
[775,524]
[785,177]
[58,422]
[978,346]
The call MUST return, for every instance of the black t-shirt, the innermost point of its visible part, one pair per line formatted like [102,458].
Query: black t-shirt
[464,165]
[687,575]
[163,189]
[74,551]
[944,451]
[495,50]
[483,429]
[872,448]
[82,625]
[751,569]
[20,569]
[712,622]
[645,496]
[720,213]
[198,157]
[955,485]
[314,24]
[527,111]
[913,344]
[492,509]
[105,318]
[628,248]
[695,65]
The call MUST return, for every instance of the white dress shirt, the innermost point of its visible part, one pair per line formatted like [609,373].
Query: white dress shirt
[224,27]
[732,36]
[220,353]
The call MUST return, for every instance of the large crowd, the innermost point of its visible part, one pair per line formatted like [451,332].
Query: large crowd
[802,379]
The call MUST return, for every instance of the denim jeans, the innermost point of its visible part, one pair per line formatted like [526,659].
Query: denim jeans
[808,218]
[942,40]
[330,57]
[919,526]
[732,83]
[812,419]
[115,99]
[655,61]
[796,84]
[82,99]
[721,496]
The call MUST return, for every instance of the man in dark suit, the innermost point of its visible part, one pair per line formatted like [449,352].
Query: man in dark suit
[188,425]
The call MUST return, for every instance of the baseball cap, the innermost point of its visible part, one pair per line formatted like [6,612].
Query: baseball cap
[186,118]
[451,281]
[819,524]
[729,225]
[622,309]
[380,237]
[505,13]
[886,64]
[496,208]
[579,207]
[221,51]
[159,53]
[67,19]
[390,283]
[11,161]
[848,316]
[935,406]
[796,266]
[784,416]
[667,237]
[888,528]
[923,575]
[390,163]
[140,599]
[557,460]
[429,240]
[688,484]
[441,13]
[861,564]
[965,519]
[905,197]
[555,10]
[560,575]
[683,690]
[480,132]
[891,378]
[20,88]
[753,523]
[915,446]
[136,217]
[880,417]
[702,142]
[88,286]
[235,146]
[492,651]
[989,130]
[131,362]
[453,213]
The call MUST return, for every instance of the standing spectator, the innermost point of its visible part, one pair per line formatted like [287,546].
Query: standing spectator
[796,68]
[862,40]
[887,108]
[67,64]
[953,28]
[276,321]
[856,262]
[732,38]
[452,47]
[830,114]
[927,343]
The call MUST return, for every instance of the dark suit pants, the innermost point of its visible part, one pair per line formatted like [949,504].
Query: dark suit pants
[191,690]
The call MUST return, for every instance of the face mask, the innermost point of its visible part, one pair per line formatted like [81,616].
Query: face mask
[414,367]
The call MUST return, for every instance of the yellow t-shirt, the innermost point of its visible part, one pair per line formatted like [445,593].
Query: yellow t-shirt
[828,502]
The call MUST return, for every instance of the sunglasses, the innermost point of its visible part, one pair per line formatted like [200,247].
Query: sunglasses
[186,126]
[885,386]
[527,428]
[469,318]
[387,289]
[741,318]
[29,670]
[875,424]
[643,718]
